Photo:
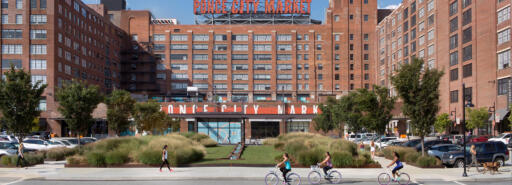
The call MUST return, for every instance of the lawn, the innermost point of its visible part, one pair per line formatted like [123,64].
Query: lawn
[252,155]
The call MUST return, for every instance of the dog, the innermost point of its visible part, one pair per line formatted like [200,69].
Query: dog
[491,167]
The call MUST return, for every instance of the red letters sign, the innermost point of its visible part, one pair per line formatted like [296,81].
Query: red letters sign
[252,6]
[250,108]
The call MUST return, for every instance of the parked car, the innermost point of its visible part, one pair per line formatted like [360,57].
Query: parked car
[39,144]
[505,138]
[440,149]
[428,144]
[382,142]
[9,138]
[412,143]
[476,139]
[457,139]
[353,137]
[8,149]
[87,140]
[509,144]
[486,152]
[396,142]
[63,142]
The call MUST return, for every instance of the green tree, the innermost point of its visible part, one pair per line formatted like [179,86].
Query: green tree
[148,116]
[476,117]
[350,113]
[442,121]
[120,107]
[77,101]
[376,106]
[418,87]
[19,101]
[327,120]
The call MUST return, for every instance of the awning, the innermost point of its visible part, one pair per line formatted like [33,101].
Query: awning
[500,115]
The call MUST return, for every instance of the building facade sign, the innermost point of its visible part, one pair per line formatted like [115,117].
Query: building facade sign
[252,6]
[250,109]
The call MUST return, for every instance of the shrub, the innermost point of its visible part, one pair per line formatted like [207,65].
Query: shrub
[310,157]
[60,153]
[360,161]
[6,160]
[402,151]
[96,159]
[279,146]
[208,142]
[295,147]
[150,157]
[201,138]
[343,145]
[270,141]
[426,161]
[76,159]
[412,157]
[116,157]
[342,159]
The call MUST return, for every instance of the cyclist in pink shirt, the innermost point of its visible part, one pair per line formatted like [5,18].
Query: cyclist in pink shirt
[326,163]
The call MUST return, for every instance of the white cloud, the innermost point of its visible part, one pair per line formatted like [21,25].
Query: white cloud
[392,6]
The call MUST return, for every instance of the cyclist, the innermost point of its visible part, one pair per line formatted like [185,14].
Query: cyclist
[285,166]
[326,163]
[398,166]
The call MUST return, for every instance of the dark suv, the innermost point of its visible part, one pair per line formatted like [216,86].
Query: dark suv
[485,152]
[429,144]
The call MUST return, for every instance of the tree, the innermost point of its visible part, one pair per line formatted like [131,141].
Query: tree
[350,113]
[477,118]
[327,120]
[148,116]
[120,108]
[77,101]
[19,101]
[418,87]
[376,106]
[442,121]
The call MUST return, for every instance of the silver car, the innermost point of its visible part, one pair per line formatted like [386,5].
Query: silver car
[8,149]
[438,150]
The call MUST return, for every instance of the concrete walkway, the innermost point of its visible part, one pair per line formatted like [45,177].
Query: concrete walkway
[56,171]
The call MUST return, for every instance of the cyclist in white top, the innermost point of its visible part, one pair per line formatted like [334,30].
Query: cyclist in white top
[164,159]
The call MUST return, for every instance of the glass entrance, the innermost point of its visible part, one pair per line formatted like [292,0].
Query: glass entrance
[262,130]
[224,131]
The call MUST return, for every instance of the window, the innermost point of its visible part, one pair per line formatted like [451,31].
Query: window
[430,5]
[431,34]
[504,15]
[19,4]
[431,19]
[200,66]
[504,60]
[467,53]
[454,24]
[365,18]
[261,77]
[12,49]
[467,35]
[6,64]
[467,70]
[42,4]
[262,47]
[243,87]
[504,36]
[38,19]
[221,47]
[38,78]
[239,37]
[201,37]
[306,56]
[282,67]
[453,8]
[199,57]
[161,76]
[179,76]
[284,47]
[421,40]
[5,19]
[465,3]
[220,66]
[466,17]
[468,92]
[240,57]
[454,74]
[159,37]
[284,37]
[201,86]
[261,87]
[37,34]
[318,37]
[220,57]
[421,13]
[351,16]
[11,34]
[284,57]
[319,47]
[240,47]
[413,20]
[319,57]
[221,37]
[179,85]
[262,67]
[159,47]
[37,64]
[454,96]
[262,37]
[284,76]
[421,26]
[19,19]
[178,47]
[220,86]
[179,56]
[179,37]
[431,50]
[135,37]
[503,86]
[33,4]
[240,77]
[239,67]
[454,41]
[454,58]
[262,57]
[365,36]
[366,57]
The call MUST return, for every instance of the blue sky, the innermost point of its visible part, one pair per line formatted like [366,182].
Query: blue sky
[183,9]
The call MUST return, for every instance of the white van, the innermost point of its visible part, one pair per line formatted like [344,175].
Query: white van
[353,137]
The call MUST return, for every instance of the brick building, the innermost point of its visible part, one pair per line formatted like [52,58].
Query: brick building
[56,41]
[467,39]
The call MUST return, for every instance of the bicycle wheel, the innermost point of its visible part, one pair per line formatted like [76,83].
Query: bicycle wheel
[271,179]
[314,177]
[334,177]
[403,179]
[293,179]
[384,179]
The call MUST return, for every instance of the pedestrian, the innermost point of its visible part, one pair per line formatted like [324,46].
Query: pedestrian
[21,157]
[164,159]
[372,149]
[473,158]
[361,146]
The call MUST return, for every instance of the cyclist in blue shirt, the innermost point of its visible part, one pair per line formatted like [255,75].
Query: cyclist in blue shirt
[398,163]
[285,166]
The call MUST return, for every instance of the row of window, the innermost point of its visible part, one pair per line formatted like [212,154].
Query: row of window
[34,19]
[257,67]
[19,4]
[256,87]
[18,34]
[34,64]
[236,37]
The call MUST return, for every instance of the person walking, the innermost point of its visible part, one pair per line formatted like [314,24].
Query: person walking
[21,157]
[372,149]
[473,158]
[164,159]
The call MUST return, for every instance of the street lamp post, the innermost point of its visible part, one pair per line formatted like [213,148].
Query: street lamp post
[493,111]
[454,114]
[464,105]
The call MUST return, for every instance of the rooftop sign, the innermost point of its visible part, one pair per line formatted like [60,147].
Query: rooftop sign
[252,6]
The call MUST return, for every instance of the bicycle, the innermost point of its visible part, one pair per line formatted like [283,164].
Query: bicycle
[274,177]
[315,176]
[385,178]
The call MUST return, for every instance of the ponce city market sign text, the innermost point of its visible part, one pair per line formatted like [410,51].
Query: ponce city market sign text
[252,6]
